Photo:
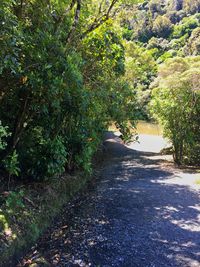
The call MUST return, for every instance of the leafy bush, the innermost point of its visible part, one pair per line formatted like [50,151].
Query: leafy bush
[159,43]
[140,71]
[193,45]
[166,55]
[11,164]
[191,6]
[162,26]
[14,201]
[58,76]
[43,158]
[186,26]
[176,105]
[3,135]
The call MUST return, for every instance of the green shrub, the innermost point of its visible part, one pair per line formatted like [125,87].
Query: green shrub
[162,26]
[14,201]
[57,84]
[43,158]
[176,105]
[11,164]
[186,26]
[3,135]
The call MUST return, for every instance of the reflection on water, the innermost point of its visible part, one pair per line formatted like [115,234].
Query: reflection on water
[150,137]
[144,127]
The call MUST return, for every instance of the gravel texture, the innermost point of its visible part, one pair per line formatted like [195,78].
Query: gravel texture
[134,216]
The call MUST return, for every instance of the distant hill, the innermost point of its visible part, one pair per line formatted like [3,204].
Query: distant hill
[166,28]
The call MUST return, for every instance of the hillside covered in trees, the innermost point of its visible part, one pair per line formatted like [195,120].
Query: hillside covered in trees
[158,30]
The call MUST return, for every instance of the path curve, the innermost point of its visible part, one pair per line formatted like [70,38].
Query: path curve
[140,213]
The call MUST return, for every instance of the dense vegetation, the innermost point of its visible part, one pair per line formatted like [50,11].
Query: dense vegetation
[69,68]
[62,66]
[164,37]
[176,105]
[162,30]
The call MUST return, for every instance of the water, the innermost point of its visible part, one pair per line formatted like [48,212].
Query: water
[150,137]
[144,127]
[149,128]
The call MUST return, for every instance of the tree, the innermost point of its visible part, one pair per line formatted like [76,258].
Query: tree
[191,6]
[176,105]
[162,26]
[155,7]
[140,70]
[193,45]
[176,4]
[61,73]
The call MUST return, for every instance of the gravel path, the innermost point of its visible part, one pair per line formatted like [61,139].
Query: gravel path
[140,213]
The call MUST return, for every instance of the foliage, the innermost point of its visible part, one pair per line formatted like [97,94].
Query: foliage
[164,29]
[170,20]
[3,134]
[162,26]
[43,158]
[14,201]
[185,26]
[193,45]
[61,78]
[66,72]
[176,105]
[191,6]
[142,27]
[11,164]
[140,70]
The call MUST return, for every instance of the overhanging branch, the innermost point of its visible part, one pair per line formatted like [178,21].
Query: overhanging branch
[102,19]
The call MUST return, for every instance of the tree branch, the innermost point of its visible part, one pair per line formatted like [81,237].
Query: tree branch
[102,19]
[76,19]
[69,9]
[61,18]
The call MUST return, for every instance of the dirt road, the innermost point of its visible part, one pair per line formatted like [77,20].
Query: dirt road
[142,212]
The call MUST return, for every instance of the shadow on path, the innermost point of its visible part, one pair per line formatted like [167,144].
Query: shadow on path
[134,216]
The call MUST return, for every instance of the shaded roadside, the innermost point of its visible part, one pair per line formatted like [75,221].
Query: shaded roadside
[140,213]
